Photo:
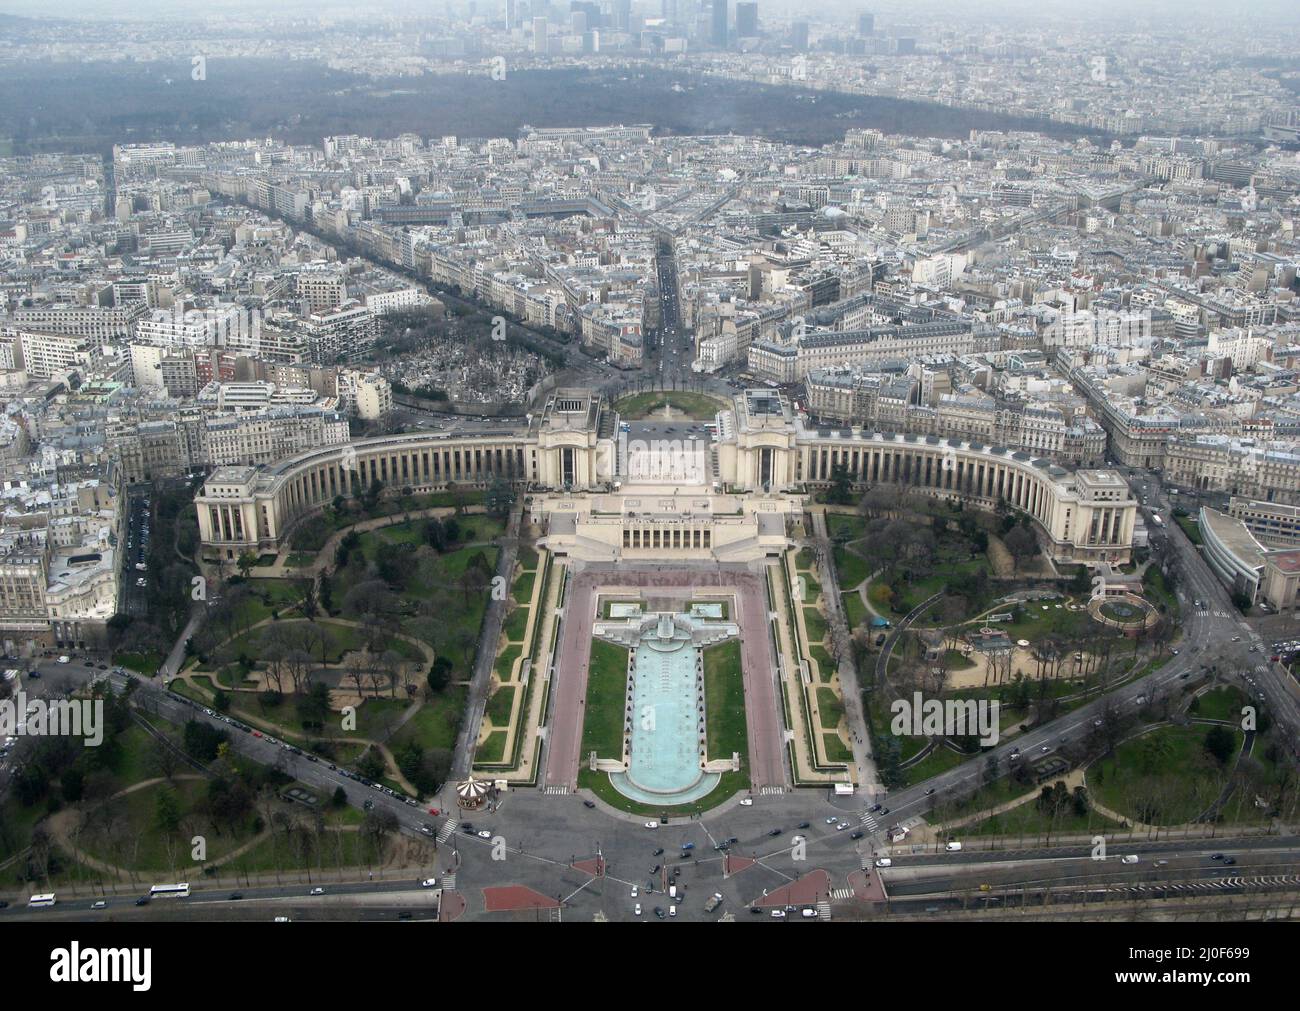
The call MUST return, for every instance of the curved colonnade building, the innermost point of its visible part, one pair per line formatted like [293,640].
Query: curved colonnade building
[574,459]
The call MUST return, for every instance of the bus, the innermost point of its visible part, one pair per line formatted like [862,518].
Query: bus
[180,891]
[37,901]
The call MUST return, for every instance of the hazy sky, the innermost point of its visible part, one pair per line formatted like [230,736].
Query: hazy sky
[1027,12]
[1036,9]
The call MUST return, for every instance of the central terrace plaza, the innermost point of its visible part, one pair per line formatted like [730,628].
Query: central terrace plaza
[657,606]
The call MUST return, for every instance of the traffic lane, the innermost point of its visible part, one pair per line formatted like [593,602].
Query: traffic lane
[915,801]
[311,773]
[1271,847]
[410,891]
[1076,871]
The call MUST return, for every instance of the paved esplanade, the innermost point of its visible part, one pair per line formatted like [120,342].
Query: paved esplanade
[765,728]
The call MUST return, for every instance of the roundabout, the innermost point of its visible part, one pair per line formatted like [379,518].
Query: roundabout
[1126,611]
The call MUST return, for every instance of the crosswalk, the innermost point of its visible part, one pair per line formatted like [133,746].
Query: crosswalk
[448,827]
[557,790]
[869,822]
[767,790]
[824,909]
[840,894]
[449,882]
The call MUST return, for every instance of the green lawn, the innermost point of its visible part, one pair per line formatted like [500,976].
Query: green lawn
[454,632]
[506,660]
[957,661]
[830,707]
[939,760]
[436,724]
[1029,820]
[1033,622]
[1156,589]
[855,611]
[516,624]
[1223,703]
[136,841]
[845,527]
[142,663]
[598,783]
[724,700]
[815,623]
[851,567]
[493,749]
[1165,777]
[523,591]
[498,706]
[836,749]
[825,664]
[602,727]
[1191,528]
[696,406]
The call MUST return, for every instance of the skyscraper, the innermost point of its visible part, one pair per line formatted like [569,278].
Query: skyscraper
[746,20]
[799,36]
[718,36]
[866,24]
[623,15]
[539,35]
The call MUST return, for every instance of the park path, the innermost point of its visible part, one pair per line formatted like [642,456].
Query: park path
[279,569]
[390,762]
[859,736]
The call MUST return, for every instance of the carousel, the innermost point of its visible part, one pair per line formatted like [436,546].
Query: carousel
[472,794]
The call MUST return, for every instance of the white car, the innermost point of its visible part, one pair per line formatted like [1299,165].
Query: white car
[484,834]
[778,914]
[652,824]
[65,659]
[884,862]
[637,909]
[1130,859]
[429,883]
[635,891]
[747,802]
[841,826]
[672,910]
[318,890]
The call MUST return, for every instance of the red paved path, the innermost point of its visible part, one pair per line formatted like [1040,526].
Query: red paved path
[564,739]
[813,887]
[508,898]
